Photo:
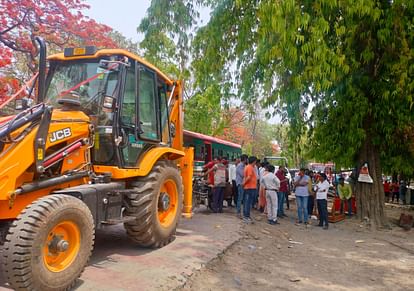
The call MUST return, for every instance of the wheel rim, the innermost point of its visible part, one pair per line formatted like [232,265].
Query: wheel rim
[62,246]
[167,203]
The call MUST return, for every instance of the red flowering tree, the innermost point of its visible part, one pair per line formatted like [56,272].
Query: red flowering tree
[60,22]
[234,127]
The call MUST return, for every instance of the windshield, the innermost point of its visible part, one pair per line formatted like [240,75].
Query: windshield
[86,80]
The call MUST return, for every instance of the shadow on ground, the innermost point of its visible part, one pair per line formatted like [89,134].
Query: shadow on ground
[118,263]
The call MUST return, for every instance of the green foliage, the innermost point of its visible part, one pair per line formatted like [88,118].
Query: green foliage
[124,43]
[216,53]
[261,143]
[167,35]
[203,110]
[341,71]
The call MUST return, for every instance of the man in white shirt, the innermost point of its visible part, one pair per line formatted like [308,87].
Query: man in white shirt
[232,179]
[322,200]
[271,184]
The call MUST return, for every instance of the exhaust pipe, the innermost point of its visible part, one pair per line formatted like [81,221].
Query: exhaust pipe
[42,69]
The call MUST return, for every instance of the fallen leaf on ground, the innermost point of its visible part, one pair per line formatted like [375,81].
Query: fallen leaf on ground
[251,247]
[296,242]
[238,281]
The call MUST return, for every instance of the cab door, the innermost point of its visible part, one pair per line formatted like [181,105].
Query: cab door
[139,115]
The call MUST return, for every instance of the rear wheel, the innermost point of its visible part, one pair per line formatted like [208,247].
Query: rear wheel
[157,205]
[4,227]
[48,245]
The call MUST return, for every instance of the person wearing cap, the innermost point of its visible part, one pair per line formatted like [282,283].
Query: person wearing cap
[302,195]
[322,200]
[345,193]
[271,185]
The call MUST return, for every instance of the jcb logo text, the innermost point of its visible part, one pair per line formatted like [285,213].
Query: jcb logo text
[60,134]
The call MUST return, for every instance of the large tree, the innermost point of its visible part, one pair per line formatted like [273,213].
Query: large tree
[343,71]
[167,30]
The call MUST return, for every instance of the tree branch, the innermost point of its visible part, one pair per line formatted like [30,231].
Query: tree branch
[14,26]
[12,45]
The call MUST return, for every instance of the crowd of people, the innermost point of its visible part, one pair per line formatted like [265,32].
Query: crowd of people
[395,190]
[258,185]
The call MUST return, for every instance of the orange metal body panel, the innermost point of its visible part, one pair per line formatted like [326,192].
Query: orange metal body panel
[146,164]
[22,201]
[177,116]
[16,162]
[186,166]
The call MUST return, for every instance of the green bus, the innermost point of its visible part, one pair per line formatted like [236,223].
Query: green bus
[207,147]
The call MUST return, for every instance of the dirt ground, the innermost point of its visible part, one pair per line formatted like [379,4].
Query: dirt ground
[287,256]
[117,264]
[220,252]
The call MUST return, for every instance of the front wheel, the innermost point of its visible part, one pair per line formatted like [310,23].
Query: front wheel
[49,244]
[157,204]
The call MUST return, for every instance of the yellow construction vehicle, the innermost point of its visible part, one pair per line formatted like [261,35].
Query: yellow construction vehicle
[103,145]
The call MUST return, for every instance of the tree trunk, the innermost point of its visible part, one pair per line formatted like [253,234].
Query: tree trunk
[370,197]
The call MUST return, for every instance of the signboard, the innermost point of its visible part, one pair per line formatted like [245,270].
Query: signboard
[364,176]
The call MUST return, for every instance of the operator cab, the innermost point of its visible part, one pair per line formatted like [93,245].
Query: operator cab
[125,99]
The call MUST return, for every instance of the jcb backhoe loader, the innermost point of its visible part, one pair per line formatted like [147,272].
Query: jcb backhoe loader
[103,145]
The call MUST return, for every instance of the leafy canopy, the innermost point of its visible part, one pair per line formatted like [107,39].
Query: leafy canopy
[167,31]
[341,71]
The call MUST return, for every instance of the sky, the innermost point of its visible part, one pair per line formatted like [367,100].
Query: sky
[122,15]
[125,16]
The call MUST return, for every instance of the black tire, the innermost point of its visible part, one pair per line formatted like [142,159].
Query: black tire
[24,255]
[147,230]
[194,201]
[229,201]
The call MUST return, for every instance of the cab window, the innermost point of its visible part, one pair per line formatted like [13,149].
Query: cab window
[148,115]
[165,129]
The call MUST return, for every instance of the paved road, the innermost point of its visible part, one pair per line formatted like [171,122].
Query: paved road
[117,264]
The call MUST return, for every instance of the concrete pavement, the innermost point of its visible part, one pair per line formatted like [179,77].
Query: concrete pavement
[118,264]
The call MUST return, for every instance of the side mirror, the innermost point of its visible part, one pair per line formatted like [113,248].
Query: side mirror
[108,103]
[23,103]
[19,104]
[108,65]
